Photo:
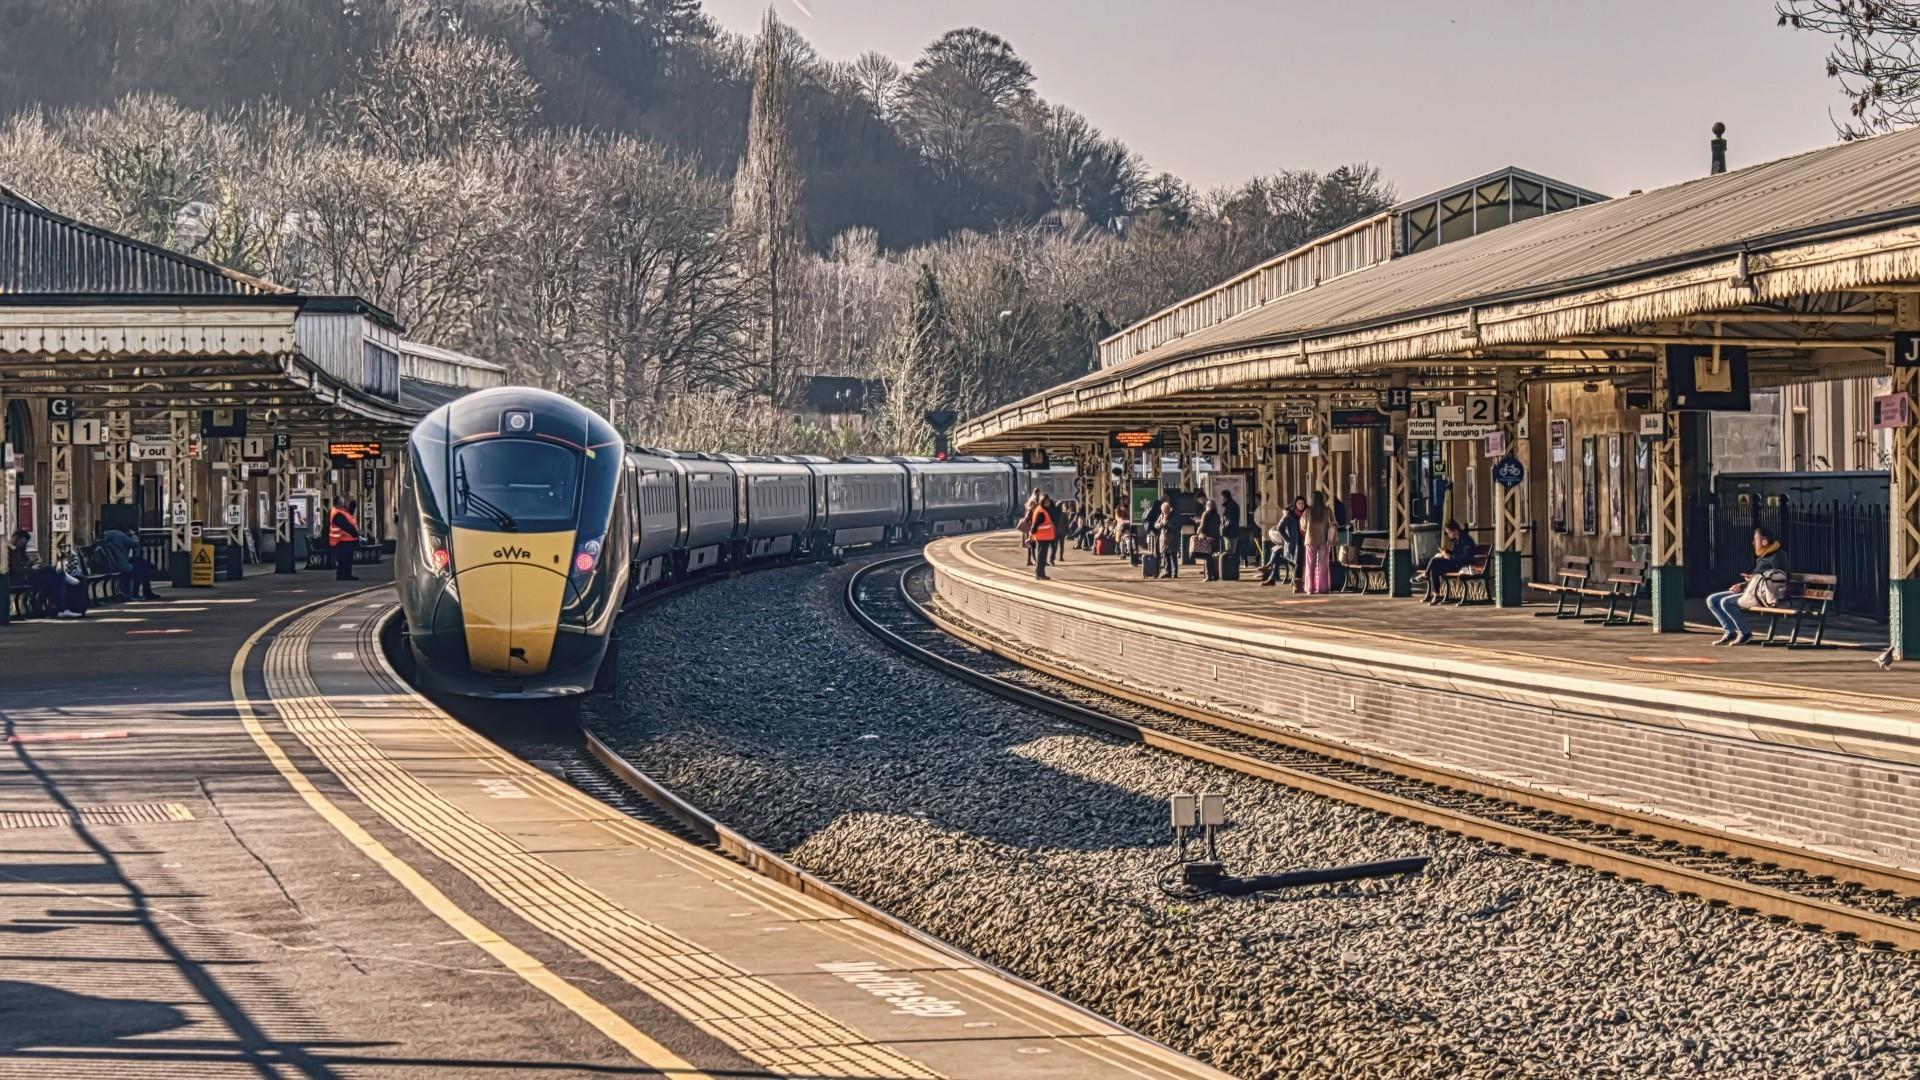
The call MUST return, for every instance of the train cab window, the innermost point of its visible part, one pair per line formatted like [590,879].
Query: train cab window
[514,484]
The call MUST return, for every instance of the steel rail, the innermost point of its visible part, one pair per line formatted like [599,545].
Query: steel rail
[1839,919]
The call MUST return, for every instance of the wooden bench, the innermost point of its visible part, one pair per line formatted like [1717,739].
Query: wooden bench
[1808,597]
[1570,580]
[1626,580]
[1367,568]
[1467,584]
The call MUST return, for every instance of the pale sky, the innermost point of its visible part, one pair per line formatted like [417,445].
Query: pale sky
[1604,94]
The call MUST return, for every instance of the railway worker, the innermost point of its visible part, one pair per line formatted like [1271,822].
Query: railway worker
[1764,587]
[343,535]
[1045,532]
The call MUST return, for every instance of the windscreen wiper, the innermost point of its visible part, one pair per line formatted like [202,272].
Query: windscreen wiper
[469,499]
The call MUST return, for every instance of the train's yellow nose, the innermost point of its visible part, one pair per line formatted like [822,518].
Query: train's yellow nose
[511,588]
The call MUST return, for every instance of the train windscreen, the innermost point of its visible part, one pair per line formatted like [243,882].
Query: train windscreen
[515,484]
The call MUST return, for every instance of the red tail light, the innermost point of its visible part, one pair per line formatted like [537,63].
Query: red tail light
[582,562]
[441,558]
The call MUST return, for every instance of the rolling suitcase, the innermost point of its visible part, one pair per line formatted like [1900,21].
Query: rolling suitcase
[1150,565]
[1229,567]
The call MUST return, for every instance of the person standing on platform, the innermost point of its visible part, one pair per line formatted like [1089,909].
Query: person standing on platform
[1026,525]
[1169,540]
[1229,523]
[1041,525]
[343,535]
[1317,541]
[1207,539]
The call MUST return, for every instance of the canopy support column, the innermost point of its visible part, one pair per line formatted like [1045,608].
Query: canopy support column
[1667,574]
[1189,478]
[1399,526]
[120,459]
[8,501]
[1266,463]
[60,506]
[180,498]
[283,461]
[1508,500]
[1903,570]
[233,499]
[1322,463]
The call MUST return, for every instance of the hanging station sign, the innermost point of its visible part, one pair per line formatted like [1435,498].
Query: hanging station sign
[1906,349]
[346,453]
[1892,411]
[1699,379]
[1133,440]
[1357,418]
[1035,458]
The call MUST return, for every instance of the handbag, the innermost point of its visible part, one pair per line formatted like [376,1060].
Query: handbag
[1763,590]
[1202,544]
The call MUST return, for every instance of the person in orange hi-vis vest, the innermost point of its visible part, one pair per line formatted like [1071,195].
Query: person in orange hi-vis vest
[1041,527]
[343,535]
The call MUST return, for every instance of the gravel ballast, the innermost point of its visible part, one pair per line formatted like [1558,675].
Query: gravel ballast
[1036,845]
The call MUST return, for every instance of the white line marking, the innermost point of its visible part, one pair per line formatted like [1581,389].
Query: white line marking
[343,656]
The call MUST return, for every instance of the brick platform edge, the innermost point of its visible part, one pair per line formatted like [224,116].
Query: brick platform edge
[1831,780]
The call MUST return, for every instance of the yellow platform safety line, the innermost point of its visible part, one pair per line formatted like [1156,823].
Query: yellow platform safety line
[1499,657]
[759,1020]
[645,1050]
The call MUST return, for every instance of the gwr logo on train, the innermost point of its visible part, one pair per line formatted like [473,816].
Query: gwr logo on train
[512,553]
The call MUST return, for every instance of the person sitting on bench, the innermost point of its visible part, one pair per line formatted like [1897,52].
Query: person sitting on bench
[1763,588]
[1457,554]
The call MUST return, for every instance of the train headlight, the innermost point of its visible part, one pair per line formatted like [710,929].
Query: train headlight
[588,557]
[441,559]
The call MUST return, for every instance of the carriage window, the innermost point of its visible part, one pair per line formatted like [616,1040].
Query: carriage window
[509,483]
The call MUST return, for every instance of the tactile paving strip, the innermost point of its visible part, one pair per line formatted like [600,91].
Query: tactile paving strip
[764,1023]
[123,814]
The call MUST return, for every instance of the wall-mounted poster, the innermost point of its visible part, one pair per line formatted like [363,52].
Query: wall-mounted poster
[1616,489]
[1642,489]
[1589,486]
[1559,477]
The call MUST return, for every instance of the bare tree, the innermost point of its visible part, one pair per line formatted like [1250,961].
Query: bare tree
[1873,57]
[766,198]
[879,81]
[424,96]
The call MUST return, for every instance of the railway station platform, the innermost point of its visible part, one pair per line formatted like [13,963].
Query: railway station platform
[1817,747]
[243,847]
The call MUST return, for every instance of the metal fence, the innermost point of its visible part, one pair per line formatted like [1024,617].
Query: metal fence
[1846,539]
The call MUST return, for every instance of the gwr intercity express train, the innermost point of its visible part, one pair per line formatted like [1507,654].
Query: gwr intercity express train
[526,523]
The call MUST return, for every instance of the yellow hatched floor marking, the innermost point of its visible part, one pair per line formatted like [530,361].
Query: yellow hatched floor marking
[631,1039]
[764,1023]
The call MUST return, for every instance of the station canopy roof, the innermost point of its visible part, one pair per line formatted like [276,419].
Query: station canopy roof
[115,323]
[1781,257]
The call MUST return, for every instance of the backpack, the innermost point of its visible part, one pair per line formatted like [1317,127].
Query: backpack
[1766,589]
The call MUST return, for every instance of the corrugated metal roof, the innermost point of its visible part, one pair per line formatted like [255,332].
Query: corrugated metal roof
[425,397]
[45,254]
[1707,218]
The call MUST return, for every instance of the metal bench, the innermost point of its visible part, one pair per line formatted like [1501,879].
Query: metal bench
[1808,597]
[1367,567]
[1626,580]
[1467,584]
[1570,580]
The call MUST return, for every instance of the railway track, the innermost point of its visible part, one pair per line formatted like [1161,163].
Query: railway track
[1875,905]
[585,759]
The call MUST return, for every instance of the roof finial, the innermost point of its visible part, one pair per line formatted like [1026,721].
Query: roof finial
[1719,145]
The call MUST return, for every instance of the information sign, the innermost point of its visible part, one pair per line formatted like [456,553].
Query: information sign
[1508,472]
[1358,418]
[234,514]
[1133,440]
[1652,425]
[1035,458]
[1892,411]
[1906,349]
[253,448]
[1296,410]
[60,408]
[1496,443]
[148,448]
[346,453]
[61,515]
[1399,398]
[88,431]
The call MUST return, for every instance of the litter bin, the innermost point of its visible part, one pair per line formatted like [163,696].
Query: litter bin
[1426,544]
